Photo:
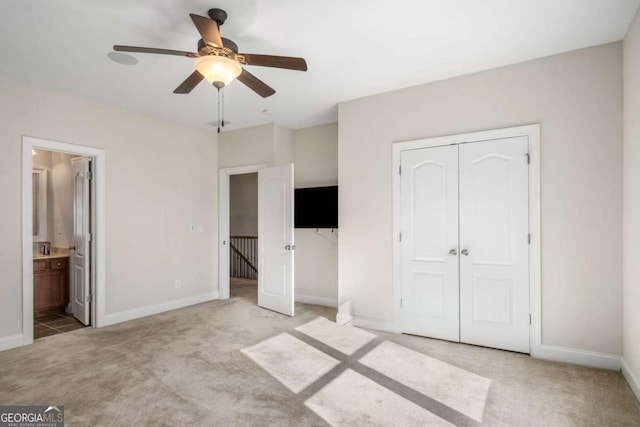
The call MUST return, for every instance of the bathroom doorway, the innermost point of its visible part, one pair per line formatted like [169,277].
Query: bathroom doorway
[63,233]
[61,230]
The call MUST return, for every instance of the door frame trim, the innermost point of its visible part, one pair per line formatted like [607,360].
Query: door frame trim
[223,215]
[98,215]
[533,133]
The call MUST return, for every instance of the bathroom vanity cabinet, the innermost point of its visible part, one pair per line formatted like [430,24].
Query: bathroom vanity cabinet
[50,286]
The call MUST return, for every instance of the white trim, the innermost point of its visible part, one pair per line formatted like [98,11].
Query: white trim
[312,299]
[137,313]
[98,257]
[223,215]
[533,134]
[344,319]
[579,357]
[375,324]
[12,341]
[632,380]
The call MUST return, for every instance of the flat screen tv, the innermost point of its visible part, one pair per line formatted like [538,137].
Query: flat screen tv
[316,207]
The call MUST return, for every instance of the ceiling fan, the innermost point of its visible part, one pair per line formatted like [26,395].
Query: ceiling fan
[218,60]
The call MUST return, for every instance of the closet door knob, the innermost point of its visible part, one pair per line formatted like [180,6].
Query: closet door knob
[465,252]
[453,252]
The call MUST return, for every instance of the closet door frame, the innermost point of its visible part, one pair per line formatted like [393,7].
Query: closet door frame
[532,132]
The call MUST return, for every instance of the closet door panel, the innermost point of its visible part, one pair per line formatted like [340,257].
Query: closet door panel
[429,206]
[494,262]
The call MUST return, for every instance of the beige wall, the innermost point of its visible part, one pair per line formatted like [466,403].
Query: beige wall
[268,144]
[61,206]
[283,150]
[314,152]
[243,204]
[631,251]
[247,146]
[160,178]
[316,156]
[577,98]
[316,165]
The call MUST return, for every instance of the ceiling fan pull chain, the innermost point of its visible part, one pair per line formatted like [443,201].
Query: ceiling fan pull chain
[219,111]
[222,115]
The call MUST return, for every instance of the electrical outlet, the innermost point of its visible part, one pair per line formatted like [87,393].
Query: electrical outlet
[178,283]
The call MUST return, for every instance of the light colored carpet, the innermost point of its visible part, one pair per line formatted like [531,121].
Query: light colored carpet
[292,362]
[354,400]
[186,367]
[345,340]
[456,388]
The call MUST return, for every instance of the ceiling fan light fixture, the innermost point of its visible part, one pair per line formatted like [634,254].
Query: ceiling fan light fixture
[218,70]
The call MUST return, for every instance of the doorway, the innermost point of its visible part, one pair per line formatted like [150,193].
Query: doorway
[275,242]
[63,244]
[61,228]
[466,260]
[243,236]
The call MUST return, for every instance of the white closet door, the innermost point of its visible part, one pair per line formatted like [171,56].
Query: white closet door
[494,261]
[429,198]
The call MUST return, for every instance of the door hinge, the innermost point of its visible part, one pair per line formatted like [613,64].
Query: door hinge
[529,238]
[400,302]
[400,237]
[89,298]
[529,318]
[399,170]
[528,158]
[89,237]
[89,175]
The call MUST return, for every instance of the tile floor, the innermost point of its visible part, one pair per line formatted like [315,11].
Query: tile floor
[55,324]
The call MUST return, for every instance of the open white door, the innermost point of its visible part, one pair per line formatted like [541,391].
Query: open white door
[81,255]
[275,239]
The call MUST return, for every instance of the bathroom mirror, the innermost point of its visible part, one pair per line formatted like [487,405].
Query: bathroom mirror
[39,205]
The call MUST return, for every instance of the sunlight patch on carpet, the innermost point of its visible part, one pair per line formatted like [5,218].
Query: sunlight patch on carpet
[345,339]
[292,362]
[456,388]
[352,399]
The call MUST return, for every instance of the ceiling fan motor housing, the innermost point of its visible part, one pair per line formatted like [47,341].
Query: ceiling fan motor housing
[218,15]
[228,44]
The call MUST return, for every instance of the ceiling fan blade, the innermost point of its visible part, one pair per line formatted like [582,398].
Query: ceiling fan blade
[137,49]
[208,29]
[190,82]
[255,84]
[287,62]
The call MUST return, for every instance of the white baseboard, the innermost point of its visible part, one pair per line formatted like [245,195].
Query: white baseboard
[344,319]
[376,324]
[310,299]
[577,357]
[632,380]
[124,316]
[12,341]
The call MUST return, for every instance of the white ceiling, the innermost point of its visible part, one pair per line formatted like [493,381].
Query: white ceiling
[354,48]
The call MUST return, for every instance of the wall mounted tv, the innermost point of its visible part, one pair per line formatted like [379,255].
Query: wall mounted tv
[316,207]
